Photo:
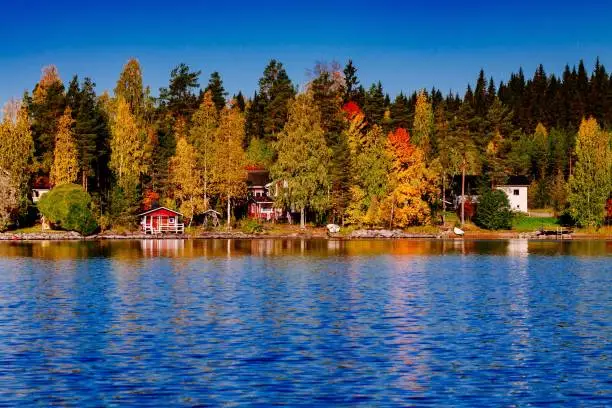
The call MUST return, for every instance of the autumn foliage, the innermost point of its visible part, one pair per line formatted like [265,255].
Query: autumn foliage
[413,184]
[351,109]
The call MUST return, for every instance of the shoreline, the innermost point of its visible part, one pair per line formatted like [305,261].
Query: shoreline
[361,235]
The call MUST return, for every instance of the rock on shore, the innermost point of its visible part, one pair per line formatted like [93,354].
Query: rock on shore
[363,233]
[41,236]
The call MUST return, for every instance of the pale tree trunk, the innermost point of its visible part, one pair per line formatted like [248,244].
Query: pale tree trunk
[192,212]
[205,182]
[84,180]
[444,199]
[229,214]
[463,192]
[302,219]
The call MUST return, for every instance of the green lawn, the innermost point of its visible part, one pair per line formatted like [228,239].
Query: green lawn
[523,223]
[35,229]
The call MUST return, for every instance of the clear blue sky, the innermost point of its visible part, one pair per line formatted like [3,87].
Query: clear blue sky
[407,46]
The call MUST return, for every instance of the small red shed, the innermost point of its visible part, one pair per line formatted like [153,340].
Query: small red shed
[160,220]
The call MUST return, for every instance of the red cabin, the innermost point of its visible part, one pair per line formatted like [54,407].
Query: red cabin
[161,220]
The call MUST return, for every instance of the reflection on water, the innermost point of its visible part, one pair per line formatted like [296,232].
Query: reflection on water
[299,322]
[288,247]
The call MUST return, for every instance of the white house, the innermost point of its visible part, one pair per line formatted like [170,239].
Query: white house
[516,189]
[40,187]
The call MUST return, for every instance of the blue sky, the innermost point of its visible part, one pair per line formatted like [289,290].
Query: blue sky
[407,45]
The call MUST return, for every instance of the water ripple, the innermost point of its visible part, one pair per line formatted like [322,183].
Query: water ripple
[392,325]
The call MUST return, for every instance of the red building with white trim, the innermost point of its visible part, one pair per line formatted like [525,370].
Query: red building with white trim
[161,220]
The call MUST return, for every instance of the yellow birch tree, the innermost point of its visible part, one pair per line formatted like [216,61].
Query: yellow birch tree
[16,153]
[65,168]
[591,183]
[422,127]
[202,137]
[229,159]
[186,178]
[128,151]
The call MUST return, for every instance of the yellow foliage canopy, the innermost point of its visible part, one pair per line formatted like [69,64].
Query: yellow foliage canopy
[65,168]
[128,150]
[186,177]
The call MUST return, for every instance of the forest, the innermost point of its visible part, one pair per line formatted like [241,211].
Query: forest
[337,150]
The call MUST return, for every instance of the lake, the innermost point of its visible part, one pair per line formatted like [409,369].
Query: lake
[306,323]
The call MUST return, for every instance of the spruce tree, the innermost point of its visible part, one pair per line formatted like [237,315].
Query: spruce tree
[351,82]
[46,106]
[179,98]
[400,112]
[480,95]
[327,91]
[239,101]
[90,130]
[374,107]
[215,86]
[276,90]
[254,125]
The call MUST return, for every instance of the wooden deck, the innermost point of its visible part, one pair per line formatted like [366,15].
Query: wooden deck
[178,228]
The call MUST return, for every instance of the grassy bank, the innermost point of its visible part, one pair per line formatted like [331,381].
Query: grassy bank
[524,223]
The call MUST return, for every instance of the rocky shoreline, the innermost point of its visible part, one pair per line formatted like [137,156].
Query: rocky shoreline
[74,236]
[361,234]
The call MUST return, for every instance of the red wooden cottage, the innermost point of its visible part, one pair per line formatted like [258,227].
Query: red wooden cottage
[161,220]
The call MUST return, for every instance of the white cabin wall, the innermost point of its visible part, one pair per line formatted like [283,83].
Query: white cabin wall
[518,202]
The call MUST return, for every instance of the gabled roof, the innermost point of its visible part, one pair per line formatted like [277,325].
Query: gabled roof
[159,208]
[41,183]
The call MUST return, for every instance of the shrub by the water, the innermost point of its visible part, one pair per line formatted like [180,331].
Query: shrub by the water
[69,207]
[250,226]
[494,211]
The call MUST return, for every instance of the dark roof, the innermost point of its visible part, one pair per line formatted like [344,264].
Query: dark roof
[41,182]
[474,182]
[261,199]
[258,177]
[516,181]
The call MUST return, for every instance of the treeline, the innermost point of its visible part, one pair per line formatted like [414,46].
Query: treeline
[337,151]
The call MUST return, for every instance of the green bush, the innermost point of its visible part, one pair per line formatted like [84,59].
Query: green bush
[69,207]
[493,211]
[250,226]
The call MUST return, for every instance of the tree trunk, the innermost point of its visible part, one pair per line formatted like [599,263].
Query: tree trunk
[192,211]
[444,199]
[229,213]
[463,193]
[205,182]
[84,180]
[302,219]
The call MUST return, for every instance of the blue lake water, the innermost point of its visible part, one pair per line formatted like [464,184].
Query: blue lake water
[306,323]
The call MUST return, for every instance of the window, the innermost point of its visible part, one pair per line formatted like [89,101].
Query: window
[516,192]
[171,220]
